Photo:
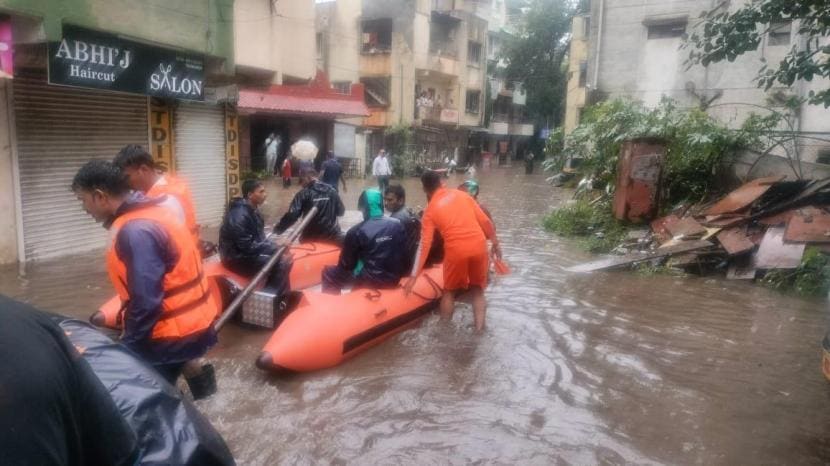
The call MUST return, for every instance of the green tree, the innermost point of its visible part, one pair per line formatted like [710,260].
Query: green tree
[535,56]
[724,35]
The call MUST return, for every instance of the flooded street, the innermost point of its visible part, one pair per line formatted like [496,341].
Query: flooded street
[608,368]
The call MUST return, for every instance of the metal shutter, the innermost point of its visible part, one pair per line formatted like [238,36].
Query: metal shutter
[199,135]
[58,130]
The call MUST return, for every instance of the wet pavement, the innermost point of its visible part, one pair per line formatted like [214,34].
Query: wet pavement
[607,368]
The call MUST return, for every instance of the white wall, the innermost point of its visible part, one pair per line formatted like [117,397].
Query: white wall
[281,39]
[645,69]
[8,220]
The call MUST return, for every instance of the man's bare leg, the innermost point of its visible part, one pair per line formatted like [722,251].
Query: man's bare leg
[447,305]
[479,307]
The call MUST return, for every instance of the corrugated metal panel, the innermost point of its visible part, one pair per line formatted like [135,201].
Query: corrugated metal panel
[199,135]
[58,130]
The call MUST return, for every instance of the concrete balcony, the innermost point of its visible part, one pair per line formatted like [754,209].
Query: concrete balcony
[376,64]
[441,64]
[521,129]
[500,128]
[433,115]
[378,116]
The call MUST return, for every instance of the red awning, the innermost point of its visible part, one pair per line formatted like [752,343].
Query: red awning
[317,98]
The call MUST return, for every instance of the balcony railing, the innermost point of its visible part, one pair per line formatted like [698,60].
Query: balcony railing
[438,113]
[444,49]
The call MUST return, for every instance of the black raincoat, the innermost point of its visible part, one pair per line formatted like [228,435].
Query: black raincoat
[324,226]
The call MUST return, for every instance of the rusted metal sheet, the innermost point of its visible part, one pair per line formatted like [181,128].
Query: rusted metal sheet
[686,227]
[637,194]
[808,225]
[628,259]
[735,241]
[775,254]
[660,227]
[742,197]
[777,219]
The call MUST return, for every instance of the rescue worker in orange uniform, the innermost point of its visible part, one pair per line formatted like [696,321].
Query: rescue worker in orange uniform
[144,175]
[156,269]
[465,229]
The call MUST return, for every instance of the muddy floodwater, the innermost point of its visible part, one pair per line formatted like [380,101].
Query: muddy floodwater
[608,368]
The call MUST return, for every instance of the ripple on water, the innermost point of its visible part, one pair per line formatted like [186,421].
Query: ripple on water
[606,368]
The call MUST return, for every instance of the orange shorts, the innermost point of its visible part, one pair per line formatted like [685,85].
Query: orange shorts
[463,272]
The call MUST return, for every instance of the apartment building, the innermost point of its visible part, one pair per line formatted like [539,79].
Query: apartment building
[633,50]
[423,65]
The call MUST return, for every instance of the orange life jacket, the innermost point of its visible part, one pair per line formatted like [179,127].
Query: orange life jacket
[188,306]
[172,186]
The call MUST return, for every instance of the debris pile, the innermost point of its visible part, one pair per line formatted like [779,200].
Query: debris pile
[764,225]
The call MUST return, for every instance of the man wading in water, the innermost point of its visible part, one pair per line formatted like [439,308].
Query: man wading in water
[465,229]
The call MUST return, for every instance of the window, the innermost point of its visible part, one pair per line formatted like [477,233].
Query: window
[342,87]
[583,73]
[823,157]
[474,53]
[376,91]
[779,33]
[377,35]
[666,30]
[320,46]
[473,101]
[586,27]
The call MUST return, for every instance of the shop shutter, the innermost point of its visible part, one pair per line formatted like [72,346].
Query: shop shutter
[199,135]
[58,129]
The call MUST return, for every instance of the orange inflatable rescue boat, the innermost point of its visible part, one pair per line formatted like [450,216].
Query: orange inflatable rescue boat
[309,261]
[325,330]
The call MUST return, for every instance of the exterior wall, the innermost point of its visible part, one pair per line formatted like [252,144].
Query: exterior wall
[624,62]
[276,36]
[8,203]
[202,27]
[338,23]
[577,54]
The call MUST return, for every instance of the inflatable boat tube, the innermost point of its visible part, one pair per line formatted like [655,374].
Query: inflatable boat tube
[169,428]
[325,330]
[309,261]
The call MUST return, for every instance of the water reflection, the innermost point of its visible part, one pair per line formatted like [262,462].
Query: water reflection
[609,368]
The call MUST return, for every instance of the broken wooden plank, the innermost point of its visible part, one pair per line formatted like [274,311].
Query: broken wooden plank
[777,219]
[735,241]
[744,196]
[741,268]
[629,259]
[775,254]
[808,225]
[660,227]
[721,220]
[687,228]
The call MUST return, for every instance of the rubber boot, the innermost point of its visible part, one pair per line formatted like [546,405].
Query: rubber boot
[203,383]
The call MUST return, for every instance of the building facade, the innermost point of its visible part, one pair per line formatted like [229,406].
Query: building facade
[87,78]
[423,65]
[633,50]
[203,85]
[338,55]
[508,130]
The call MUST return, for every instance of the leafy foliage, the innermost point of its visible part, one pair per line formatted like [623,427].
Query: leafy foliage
[698,147]
[811,278]
[400,144]
[536,57]
[726,36]
[599,231]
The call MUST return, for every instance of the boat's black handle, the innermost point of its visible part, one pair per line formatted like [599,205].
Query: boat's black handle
[243,295]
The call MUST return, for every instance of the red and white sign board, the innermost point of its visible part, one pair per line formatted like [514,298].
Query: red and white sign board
[6,49]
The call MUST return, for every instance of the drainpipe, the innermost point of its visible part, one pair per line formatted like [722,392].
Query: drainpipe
[400,113]
[599,42]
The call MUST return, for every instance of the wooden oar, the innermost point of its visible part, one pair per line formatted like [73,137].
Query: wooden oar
[243,295]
